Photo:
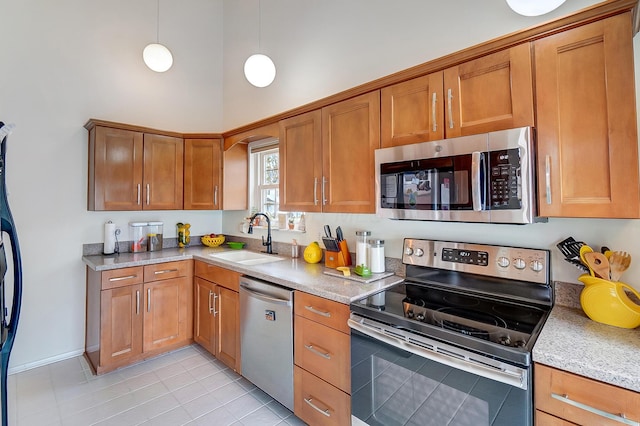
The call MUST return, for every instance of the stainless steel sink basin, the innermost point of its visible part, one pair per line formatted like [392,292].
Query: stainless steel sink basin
[245,257]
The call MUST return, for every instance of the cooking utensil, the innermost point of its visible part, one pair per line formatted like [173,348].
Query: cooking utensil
[330,244]
[583,250]
[339,234]
[327,231]
[598,263]
[619,262]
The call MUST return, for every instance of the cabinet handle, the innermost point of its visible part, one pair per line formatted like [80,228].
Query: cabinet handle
[433,111]
[165,271]
[210,304]
[324,198]
[315,311]
[148,300]
[315,191]
[215,196]
[450,108]
[137,302]
[148,191]
[617,417]
[547,177]
[323,353]
[128,277]
[326,411]
[215,297]
[138,202]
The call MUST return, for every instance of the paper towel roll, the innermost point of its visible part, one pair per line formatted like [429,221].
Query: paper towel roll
[109,238]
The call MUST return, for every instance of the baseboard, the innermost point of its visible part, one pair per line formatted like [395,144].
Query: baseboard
[46,361]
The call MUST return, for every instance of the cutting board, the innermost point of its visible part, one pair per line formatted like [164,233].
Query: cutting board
[354,277]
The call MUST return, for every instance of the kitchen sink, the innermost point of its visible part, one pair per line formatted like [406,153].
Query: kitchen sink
[245,257]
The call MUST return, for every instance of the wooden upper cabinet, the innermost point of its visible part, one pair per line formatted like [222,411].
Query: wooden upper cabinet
[162,172]
[115,169]
[586,114]
[494,92]
[202,174]
[350,136]
[412,111]
[300,148]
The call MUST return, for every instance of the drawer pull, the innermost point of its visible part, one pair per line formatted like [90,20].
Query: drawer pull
[617,417]
[315,311]
[128,277]
[326,411]
[323,353]
[165,271]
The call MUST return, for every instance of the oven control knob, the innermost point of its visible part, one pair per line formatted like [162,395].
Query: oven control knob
[408,251]
[420,317]
[519,263]
[503,262]
[419,252]
[409,314]
[505,340]
[536,266]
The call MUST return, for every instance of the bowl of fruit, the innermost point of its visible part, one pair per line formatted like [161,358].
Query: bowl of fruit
[212,240]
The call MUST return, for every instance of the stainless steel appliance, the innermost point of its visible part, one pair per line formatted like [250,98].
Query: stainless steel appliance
[266,338]
[479,178]
[451,345]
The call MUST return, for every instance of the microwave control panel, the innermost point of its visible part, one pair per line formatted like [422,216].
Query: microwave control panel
[505,181]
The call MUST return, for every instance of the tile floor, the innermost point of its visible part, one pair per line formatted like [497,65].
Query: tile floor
[183,387]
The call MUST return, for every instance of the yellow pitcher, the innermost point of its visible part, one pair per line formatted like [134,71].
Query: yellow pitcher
[607,302]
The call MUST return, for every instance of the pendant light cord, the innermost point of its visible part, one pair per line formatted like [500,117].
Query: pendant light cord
[158,24]
[259,25]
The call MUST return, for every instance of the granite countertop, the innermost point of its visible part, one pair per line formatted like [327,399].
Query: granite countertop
[572,342]
[292,273]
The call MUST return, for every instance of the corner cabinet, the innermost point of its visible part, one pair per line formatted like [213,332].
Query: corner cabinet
[137,312]
[327,157]
[586,114]
[217,313]
[202,174]
[133,170]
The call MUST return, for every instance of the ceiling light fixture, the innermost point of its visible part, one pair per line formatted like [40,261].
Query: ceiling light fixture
[259,69]
[157,57]
[534,7]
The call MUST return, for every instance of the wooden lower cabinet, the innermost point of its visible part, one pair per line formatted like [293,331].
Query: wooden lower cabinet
[322,357]
[138,312]
[217,313]
[563,398]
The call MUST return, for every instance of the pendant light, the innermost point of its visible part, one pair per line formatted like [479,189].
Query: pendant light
[259,69]
[157,57]
[534,7]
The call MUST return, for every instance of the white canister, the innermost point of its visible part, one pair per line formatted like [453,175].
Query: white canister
[362,248]
[377,256]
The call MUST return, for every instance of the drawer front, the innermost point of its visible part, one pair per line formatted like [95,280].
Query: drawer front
[327,312]
[224,277]
[324,352]
[581,400]
[166,271]
[544,419]
[316,402]
[122,277]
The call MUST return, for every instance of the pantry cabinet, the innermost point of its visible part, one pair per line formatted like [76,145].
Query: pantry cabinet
[586,121]
[137,312]
[563,398]
[217,313]
[202,174]
[133,170]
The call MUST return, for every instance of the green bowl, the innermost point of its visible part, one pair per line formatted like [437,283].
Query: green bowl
[235,245]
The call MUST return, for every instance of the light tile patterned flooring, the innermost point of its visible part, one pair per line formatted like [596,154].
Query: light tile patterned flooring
[183,387]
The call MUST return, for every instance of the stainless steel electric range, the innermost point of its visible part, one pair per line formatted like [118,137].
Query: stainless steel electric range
[452,344]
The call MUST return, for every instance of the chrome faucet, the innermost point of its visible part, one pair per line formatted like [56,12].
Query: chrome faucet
[267,244]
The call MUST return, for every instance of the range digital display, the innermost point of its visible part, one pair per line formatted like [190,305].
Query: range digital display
[468,257]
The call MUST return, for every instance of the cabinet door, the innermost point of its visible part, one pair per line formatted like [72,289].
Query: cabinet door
[491,93]
[586,133]
[228,332]
[165,313]
[202,171]
[412,111]
[163,169]
[204,319]
[350,135]
[115,169]
[300,149]
[121,325]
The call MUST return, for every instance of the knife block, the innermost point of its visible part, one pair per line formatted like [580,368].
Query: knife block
[334,259]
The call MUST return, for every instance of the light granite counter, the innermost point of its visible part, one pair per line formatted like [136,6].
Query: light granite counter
[572,342]
[292,273]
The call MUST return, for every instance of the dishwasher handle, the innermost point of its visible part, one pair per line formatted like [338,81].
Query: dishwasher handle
[265,297]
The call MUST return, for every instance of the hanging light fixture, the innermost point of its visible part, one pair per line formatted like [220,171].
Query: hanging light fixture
[534,7]
[259,69]
[157,57]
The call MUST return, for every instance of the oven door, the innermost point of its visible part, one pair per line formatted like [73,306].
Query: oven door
[399,378]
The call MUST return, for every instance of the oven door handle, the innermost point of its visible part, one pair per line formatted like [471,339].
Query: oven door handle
[514,378]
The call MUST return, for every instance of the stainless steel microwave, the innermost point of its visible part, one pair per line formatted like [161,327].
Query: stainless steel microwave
[480,178]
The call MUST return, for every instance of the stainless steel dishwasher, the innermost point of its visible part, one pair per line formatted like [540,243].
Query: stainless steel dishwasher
[266,338]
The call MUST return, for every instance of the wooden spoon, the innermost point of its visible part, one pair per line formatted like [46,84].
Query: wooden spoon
[619,262]
[598,263]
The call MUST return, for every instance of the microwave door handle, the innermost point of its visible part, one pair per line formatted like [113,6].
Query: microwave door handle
[476,181]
